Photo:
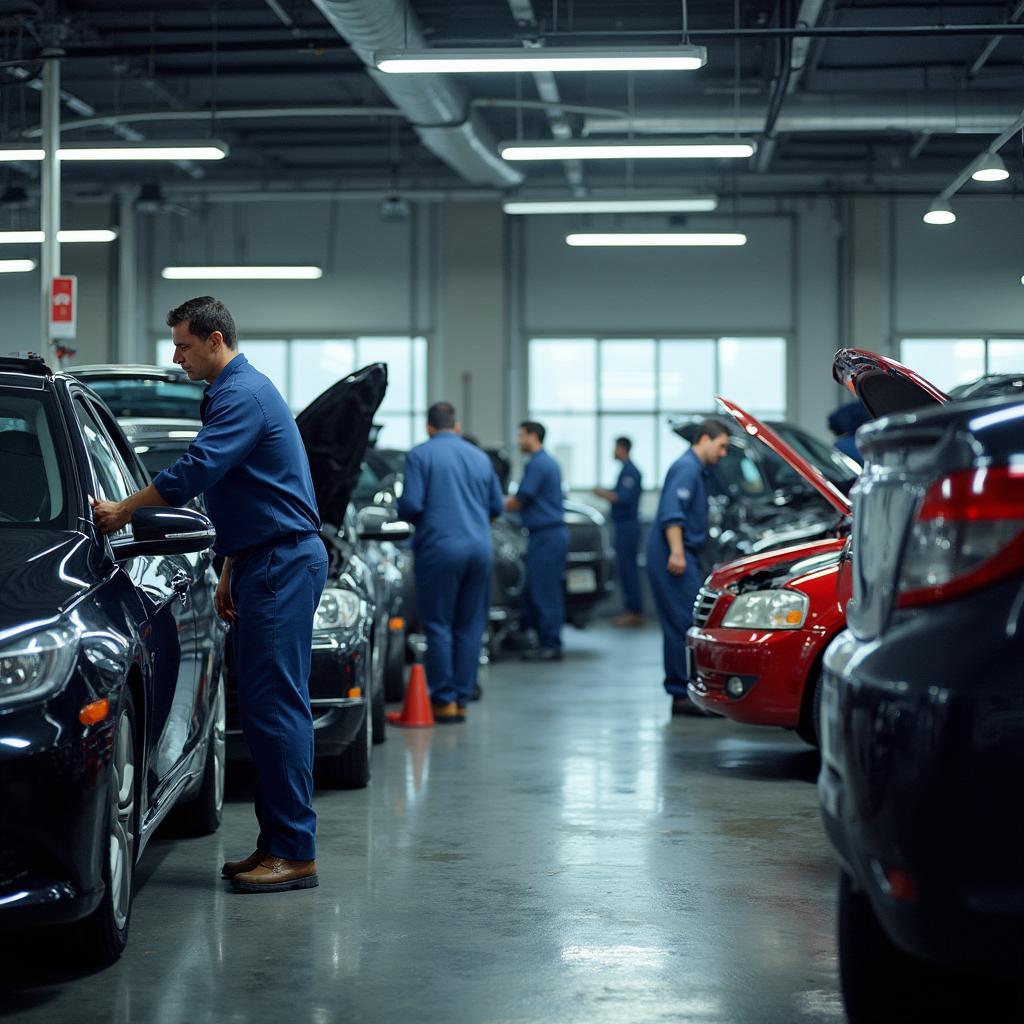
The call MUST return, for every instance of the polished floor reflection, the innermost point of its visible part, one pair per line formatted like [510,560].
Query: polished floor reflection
[571,854]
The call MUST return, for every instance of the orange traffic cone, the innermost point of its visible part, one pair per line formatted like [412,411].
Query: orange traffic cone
[416,711]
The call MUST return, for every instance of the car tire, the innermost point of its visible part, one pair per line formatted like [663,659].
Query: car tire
[351,768]
[809,728]
[376,696]
[201,814]
[394,670]
[100,938]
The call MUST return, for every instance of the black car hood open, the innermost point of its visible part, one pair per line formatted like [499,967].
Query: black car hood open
[335,429]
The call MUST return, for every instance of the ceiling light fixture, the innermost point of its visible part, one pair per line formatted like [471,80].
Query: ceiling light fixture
[990,167]
[940,212]
[630,149]
[679,204]
[16,266]
[206,149]
[36,237]
[516,61]
[663,238]
[241,273]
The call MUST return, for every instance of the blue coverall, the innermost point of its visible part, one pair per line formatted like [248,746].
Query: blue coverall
[451,493]
[684,502]
[626,524]
[540,496]
[249,462]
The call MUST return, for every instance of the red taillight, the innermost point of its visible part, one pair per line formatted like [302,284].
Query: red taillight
[969,533]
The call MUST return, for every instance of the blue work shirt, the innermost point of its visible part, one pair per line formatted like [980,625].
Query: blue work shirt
[540,493]
[249,462]
[684,502]
[626,507]
[450,492]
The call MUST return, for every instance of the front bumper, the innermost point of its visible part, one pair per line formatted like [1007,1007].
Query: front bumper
[923,774]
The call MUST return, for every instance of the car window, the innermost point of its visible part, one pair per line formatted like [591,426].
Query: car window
[33,480]
[139,397]
[739,474]
[157,458]
[112,481]
[836,466]
[136,470]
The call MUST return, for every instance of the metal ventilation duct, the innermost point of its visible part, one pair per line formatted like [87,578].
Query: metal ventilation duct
[437,108]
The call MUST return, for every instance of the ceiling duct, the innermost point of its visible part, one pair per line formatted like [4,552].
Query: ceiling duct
[437,108]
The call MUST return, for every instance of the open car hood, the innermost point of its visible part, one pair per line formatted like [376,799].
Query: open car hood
[883,385]
[789,455]
[335,429]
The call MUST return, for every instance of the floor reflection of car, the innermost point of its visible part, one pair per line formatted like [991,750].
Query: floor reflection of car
[111,704]
[761,624]
[759,502]
[923,719]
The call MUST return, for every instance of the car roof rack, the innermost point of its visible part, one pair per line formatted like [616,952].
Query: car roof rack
[27,362]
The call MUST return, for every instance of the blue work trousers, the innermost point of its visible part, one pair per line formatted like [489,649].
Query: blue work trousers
[673,599]
[543,596]
[276,591]
[453,595]
[627,546]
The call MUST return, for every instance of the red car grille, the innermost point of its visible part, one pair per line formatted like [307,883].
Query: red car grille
[702,607]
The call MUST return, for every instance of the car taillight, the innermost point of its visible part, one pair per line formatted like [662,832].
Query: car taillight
[969,533]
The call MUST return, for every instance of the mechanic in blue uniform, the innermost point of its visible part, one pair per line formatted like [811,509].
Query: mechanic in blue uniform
[673,551]
[451,493]
[625,502]
[539,500]
[249,462]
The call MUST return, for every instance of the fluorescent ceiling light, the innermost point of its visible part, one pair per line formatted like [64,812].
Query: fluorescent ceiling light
[681,204]
[940,213]
[629,149]
[660,238]
[990,167]
[242,273]
[9,153]
[16,266]
[207,149]
[35,237]
[514,60]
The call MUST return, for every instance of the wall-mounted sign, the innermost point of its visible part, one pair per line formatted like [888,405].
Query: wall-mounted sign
[63,306]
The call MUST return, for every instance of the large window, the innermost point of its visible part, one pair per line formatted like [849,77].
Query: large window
[302,368]
[588,391]
[948,362]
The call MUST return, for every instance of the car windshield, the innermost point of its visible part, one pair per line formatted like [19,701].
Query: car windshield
[838,468]
[140,397]
[378,469]
[737,473]
[33,470]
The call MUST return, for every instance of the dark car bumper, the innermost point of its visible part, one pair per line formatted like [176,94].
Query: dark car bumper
[923,774]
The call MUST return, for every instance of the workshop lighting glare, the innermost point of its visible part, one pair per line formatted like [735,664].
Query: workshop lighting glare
[36,237]
[515,61]
[10,154]
[17,266]
[208,149]
[990,168]
[630,149]
[666,238]
[940,213]
[683,204]
[241,273]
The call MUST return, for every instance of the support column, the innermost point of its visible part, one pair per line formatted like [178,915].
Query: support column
[126,349]
[870,279]
[49,264]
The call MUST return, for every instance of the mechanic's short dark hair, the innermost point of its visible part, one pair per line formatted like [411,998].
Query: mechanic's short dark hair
[535,428]
[204,315]
[711,428]
[624,442]
[441,416]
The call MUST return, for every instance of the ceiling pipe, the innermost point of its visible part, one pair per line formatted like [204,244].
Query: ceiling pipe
[992,149]
[438,108]
[992,45]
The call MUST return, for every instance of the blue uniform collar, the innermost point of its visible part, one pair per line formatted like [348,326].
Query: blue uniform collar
[690,453]
[233,367]
[444,433]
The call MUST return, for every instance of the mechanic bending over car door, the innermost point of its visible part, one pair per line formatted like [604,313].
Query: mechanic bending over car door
[451,493]
[249,462]
[625,502]
[539,498]
[673,549]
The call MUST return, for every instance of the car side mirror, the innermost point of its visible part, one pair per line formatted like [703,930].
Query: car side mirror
[375,523]
[165,531]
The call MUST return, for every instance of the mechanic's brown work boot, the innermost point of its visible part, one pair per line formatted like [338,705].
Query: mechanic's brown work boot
[447,711]
[275,874]
[236,867]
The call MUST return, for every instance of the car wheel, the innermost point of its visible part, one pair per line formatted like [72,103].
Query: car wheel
[394,672]
[103,935]
[809,728]
[201,814]
[376,696]
[351,768]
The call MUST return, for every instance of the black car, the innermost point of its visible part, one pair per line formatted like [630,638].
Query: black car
[111,702]
[922,719]
[993,385]
[758,502]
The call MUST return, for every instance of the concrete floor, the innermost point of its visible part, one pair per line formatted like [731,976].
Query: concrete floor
[571,854]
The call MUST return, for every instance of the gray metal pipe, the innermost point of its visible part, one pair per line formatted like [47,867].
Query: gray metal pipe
[49,263]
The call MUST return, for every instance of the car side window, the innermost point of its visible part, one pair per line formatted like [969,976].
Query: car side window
[111,479]
[129,458]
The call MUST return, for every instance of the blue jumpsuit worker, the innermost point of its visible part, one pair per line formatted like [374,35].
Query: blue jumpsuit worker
[539,500]
[673,551]
[249,462]
[844,422]
[625,502]
[451,493]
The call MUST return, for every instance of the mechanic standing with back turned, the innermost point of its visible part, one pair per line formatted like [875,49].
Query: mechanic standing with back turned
[625,502]
[451,493]
[249,462]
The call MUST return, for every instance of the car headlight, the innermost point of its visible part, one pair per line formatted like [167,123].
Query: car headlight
[338,609]
[38,664]
[768,609]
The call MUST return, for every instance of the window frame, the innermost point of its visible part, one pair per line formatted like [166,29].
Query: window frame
[985,337]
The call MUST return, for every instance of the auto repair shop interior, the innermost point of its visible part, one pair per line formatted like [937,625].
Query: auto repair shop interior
[742,743]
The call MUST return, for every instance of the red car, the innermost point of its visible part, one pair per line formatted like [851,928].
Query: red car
[761,624]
